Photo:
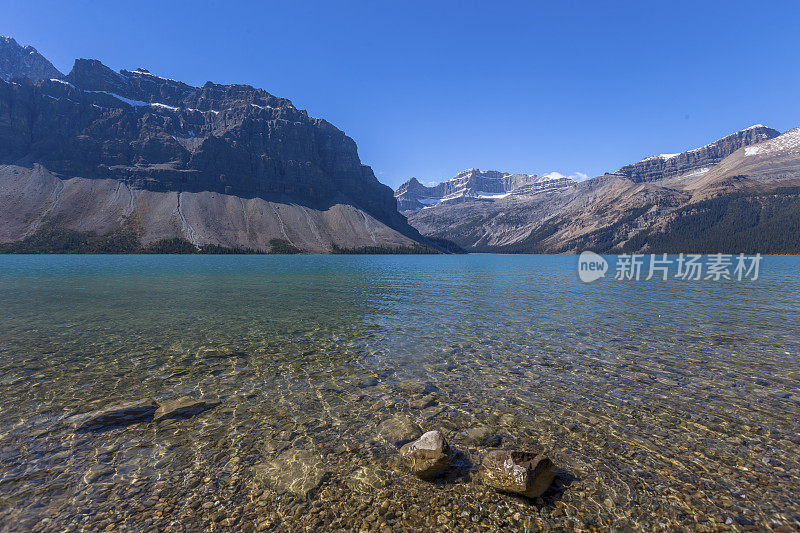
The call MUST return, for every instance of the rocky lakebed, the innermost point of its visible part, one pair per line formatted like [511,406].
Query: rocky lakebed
[370,454]
[390,394]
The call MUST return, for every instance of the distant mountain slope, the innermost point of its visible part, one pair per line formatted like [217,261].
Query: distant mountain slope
[24,62]
[473,183]
[749,201]
[667,165]
[141,132]
[775,159]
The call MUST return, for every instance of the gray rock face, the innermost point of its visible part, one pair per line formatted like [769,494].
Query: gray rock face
[24,62]
[517,472]
[472,183]
[116,415]
[183,407]
[156,134]
[428,456]
[298,471]
[666,165]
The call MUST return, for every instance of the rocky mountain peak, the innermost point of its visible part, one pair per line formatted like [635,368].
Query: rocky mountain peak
[473,183]
[411,185]
[92,75]
[18,61]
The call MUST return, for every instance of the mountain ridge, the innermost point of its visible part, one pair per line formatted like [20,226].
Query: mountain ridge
[667,165]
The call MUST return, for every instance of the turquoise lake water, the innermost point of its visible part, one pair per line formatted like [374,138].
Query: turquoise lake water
[677,401]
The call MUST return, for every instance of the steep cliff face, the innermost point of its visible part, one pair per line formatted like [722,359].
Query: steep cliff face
[472,183]
[161,135]
[667,165]
[24,62]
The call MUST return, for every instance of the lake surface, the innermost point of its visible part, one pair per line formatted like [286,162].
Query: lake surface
[663,404]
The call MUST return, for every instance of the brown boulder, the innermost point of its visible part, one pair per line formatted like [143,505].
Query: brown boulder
[517,472]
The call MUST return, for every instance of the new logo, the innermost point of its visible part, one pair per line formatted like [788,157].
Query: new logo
[591,267]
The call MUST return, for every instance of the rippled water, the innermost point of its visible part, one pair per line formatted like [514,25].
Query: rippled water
[664,403]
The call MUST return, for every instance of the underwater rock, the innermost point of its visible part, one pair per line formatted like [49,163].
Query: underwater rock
[298,471]
[479,436]
[399,429]
[369,478]
[116,415]
[183,407]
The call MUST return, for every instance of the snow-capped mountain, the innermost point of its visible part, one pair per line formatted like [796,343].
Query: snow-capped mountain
[475,183]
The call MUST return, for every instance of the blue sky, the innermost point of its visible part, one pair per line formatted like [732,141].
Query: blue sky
[430,88]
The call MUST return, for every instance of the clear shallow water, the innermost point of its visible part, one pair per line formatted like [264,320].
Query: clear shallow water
[663,403]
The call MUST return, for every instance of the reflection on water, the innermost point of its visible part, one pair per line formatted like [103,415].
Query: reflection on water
[664,403]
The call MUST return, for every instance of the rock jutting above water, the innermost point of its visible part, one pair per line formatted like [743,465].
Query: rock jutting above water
[116,415]
[517,472]
[428,456]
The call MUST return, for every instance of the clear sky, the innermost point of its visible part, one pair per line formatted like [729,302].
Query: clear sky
[428,88]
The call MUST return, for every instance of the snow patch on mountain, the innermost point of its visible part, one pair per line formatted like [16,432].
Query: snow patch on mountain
[789,141]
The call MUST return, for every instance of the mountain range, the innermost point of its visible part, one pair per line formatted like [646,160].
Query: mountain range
[740,193]
[104,161]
